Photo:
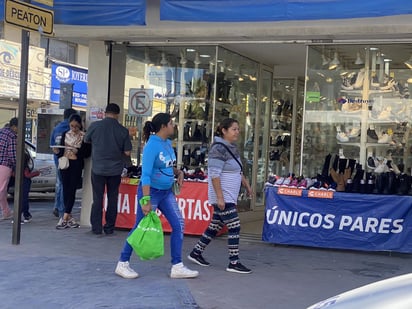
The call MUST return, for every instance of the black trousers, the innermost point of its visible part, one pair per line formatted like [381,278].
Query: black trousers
[99,184]
[71,178]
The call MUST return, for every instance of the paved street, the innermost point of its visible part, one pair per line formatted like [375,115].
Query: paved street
[74,269]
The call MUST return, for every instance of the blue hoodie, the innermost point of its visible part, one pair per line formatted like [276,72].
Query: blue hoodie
[157,163]
[56,136]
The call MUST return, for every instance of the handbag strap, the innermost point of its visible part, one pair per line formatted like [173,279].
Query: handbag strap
[227,148]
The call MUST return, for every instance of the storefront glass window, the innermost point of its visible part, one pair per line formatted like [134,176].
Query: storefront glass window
[357,110]
[199,86]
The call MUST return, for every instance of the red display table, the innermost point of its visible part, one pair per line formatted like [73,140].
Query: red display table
[192,201]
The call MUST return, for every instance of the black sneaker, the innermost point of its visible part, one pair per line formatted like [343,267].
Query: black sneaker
[56,212]
[238,268]
[198,259]
[27,219]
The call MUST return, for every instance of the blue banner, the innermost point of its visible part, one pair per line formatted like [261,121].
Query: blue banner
[95,12]
[63,73]
[348,221]
[278,10]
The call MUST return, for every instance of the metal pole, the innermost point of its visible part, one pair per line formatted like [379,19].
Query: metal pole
[18,198]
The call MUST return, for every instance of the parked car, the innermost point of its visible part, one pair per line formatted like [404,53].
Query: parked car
[389,293]
[46,181]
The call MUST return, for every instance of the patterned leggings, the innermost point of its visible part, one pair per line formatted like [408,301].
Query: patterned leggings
[228,217]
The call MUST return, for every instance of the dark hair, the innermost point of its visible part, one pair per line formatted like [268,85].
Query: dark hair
[13,122]
[77,118]
[225,124]
[112,108]
[155,125]
[68,112]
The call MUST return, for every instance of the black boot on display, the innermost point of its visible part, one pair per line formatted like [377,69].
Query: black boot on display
[335,162]
[326,164]
[370,183]
[351,165]
[342,165]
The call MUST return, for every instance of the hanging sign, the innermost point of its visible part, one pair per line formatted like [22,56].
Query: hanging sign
[140,101]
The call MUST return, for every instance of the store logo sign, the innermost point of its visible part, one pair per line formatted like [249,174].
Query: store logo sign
[349,100]
[62,74]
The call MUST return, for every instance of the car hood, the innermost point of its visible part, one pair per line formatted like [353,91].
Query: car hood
[394,292]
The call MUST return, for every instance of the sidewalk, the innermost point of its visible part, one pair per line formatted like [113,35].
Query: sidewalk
[75,269]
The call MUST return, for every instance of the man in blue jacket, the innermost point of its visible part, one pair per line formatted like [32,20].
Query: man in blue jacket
[55,140]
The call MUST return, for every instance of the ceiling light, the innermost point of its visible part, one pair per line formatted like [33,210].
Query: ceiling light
[335,62]
[146,59]
[197,59]
[359,60]
[379,58]
[204,56]
[183,59]
[190,50]
[164,61]
[408,63]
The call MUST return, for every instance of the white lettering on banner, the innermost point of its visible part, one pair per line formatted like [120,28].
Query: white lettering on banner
[327,221]
[195,209]
[371,225]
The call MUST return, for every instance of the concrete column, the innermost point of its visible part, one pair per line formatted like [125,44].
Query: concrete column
[98,80]
[102,72]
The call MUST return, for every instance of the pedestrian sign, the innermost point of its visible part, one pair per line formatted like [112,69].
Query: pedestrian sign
[140,101]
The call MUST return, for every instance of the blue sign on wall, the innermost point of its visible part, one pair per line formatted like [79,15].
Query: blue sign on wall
[62,73]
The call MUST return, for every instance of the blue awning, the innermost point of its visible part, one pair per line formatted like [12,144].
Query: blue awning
[95,12]
[278,10]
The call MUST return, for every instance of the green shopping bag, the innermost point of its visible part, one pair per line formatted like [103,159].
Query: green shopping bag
[147,239]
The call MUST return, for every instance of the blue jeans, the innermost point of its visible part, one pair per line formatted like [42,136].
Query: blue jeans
[25,202]
[165,200]
[58,198]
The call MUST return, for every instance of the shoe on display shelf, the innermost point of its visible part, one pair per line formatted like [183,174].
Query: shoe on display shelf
[355,132]
[279,181]
[384,139]
[286,182]
[371,163]
[303,184]
[342,137]
[294,183]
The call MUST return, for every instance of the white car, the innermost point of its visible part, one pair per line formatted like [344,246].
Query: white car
[390,293]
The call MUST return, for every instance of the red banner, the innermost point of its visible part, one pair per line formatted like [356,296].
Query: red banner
[192,201]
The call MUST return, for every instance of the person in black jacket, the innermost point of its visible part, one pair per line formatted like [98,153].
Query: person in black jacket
[75,150]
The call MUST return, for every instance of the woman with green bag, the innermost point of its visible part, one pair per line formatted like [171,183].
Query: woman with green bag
[155,191]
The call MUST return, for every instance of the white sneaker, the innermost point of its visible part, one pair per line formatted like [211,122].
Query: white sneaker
[125,271]
[342,137]
[179,271]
